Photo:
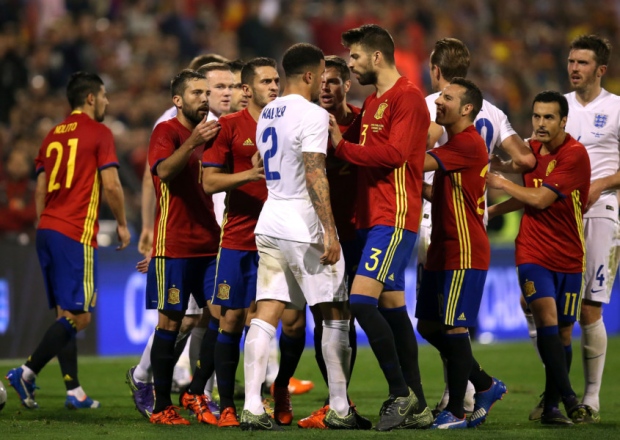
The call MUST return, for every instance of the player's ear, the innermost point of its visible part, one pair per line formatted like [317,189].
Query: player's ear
[177,101]
[90,99]
[246,90]
[563,122]
[308,77]
[600,71]
[377,56]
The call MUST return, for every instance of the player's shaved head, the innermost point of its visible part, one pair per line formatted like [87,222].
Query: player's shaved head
[452,57]
[600,46]
[372,38]
[301,57]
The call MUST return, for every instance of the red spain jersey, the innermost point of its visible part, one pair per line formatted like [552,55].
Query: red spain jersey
[553,237]
[185,224]
[233,149]
[459,239]
[72,155]
[390,155]
[342,177]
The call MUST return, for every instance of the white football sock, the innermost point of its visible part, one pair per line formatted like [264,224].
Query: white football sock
[593,352]
[143,372]
[209,387]
[337,354]
[256,354]
[77,392]
[273,363]
[195,341]
[28,374]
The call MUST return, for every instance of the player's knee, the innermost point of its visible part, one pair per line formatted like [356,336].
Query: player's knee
[189,322]
[232,320]
[591,311]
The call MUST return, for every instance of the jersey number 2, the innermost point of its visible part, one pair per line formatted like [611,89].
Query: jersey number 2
[270,132]
[52,185]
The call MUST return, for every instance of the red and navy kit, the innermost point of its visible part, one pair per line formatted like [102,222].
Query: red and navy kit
[72,155]
[459,239]
[392,135]
[233,149]
[342,177]
[185,224]
[553,237]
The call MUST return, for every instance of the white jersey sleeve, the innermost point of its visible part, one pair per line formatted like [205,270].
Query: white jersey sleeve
[597,126]
[493,125]
[167,115]
[288,127]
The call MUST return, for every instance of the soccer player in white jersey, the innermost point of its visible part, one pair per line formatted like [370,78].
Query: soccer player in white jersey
[450,59]
[300,256]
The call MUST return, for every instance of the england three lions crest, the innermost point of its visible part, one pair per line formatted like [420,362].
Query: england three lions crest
[600,120]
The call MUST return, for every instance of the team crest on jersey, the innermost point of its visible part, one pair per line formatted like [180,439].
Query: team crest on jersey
[600,120]
[529,288]
[223,291]
[550,167]
[94,300]
[381,110]
[174,295]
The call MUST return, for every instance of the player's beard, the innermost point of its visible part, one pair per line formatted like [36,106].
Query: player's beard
[191,115]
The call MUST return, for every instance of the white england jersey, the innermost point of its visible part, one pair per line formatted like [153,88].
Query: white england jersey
[597,127]
[491,123]
[288,127]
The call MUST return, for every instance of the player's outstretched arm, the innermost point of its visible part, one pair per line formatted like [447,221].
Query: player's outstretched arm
[318,189]
[539,198]
[145,243]
[505,207]
[39,194]
[521,157]
[113,192]
[216,179]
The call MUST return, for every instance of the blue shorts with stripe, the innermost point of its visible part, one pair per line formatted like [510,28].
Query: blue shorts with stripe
[538,282]
[451,296]
[235,282]
[352,252]
[171,281]
[69,271]
[385,255]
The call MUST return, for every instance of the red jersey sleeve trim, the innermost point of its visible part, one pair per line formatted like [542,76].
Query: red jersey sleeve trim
[555,190]
[154,167]
[441,165]
[108,165]
[212,164]
[39,170]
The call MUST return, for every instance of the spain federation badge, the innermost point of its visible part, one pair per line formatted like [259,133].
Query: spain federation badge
[381,110]
[529,288]
[600,120]
[174,295]
[223,291]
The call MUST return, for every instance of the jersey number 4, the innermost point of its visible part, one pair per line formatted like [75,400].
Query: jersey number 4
[57,147]
[270,132]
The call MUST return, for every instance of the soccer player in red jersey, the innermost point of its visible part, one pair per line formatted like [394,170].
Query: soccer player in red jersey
[185,237]
[342,177]
[233,165]
[551,270]
[459,253]
[77,158]
[390,156]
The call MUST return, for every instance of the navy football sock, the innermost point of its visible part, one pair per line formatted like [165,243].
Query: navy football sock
[226,363]
[52,343]
[206,363]
[291,350]
[162,361]
[67,359]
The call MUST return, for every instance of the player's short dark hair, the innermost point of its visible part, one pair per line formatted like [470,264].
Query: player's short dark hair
[452,57]
[179,82]
[236,65]
[599,45]
[81,84]
[371,37]
[299,57]
[212,67]
[340,65]
[472,95]
[552,96]
[248,73]
[207,58]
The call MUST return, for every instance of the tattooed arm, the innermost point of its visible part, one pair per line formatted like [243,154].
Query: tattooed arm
[318,189]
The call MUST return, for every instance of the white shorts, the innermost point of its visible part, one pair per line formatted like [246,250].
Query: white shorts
[291,272]
[602,253]
[192,307]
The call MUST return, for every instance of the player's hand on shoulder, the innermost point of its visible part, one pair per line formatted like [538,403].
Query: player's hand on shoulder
[332,250]
[124,237]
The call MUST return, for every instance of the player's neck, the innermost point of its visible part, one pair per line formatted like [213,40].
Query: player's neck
[297,89]
[589,94]
[457,127]
[87,110]
[342,113]
[386,78]
[554,143]
[254,110]
[185,122]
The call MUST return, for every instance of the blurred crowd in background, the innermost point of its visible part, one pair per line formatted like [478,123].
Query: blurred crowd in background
[137,46]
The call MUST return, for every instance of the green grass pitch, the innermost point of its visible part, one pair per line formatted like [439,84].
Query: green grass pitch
[515,363]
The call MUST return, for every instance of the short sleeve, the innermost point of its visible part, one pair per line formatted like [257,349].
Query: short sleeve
[567,172]
[315,134]
[106,153]
[161,145]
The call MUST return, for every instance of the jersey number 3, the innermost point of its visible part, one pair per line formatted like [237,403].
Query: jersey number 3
[270,132]
[53,185]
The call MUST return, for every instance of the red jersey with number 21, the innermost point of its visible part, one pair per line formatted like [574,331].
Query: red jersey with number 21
[72,156]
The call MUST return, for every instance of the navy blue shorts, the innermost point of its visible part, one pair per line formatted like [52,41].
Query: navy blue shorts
[538,282]
[385,255]
[352,251]
[171,281]
[235,281]
[69,271]
[451,296]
